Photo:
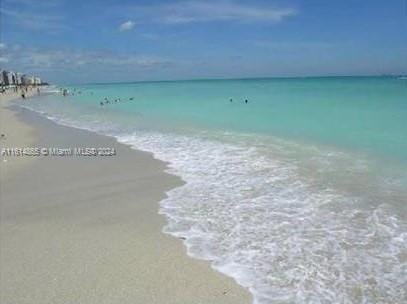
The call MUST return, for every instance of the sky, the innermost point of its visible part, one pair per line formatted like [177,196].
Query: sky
[70,41]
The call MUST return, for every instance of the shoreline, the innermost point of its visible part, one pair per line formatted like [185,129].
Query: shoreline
[87,229]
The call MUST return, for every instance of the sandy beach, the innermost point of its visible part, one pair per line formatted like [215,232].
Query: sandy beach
[87,229]
[16,134]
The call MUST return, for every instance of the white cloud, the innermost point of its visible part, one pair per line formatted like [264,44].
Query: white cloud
[203,11]
[126,26]
[83,65]
[35,59]
[208,11]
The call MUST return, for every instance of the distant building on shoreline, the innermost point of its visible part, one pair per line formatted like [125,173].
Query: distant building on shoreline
[9,78]
[27,80]
[18,78]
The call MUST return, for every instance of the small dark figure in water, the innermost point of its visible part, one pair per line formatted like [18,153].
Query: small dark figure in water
[101,103]
[246,101]
[131,98]
[231,100]
[115,100]
[23,95]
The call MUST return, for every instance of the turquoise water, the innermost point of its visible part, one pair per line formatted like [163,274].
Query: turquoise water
[300,194]
[366,114]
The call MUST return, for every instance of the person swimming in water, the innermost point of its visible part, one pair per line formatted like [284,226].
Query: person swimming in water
[246,101]
[101,103]
[231,100]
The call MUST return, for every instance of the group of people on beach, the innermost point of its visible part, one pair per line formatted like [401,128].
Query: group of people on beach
[107,101]
[25,89]
[245,101]
[65,92]
[20,89]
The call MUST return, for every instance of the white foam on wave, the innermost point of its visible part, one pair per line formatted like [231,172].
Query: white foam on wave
[260,221]
[257,220]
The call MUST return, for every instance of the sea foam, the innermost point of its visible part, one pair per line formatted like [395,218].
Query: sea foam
[256,219]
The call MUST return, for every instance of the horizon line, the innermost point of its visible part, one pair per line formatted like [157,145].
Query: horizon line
[239,78]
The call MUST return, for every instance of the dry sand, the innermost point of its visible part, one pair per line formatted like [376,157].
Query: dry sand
[86,229]
[16,134]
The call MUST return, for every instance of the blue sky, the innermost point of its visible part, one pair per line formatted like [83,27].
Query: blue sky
[107,40]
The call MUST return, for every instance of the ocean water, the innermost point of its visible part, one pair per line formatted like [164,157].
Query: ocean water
[300,194]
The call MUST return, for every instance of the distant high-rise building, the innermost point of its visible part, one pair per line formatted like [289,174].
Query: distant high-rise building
[18,78]
[1,78]
[13,78]
[8,78]
[27,80]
